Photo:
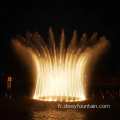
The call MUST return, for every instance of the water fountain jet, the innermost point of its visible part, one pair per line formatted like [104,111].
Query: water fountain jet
[60,71]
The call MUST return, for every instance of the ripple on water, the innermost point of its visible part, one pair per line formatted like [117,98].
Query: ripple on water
[68,114]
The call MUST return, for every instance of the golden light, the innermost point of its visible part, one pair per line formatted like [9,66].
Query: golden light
[60,71]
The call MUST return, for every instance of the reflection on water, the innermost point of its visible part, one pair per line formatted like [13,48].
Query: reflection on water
[43,111]
[61,115]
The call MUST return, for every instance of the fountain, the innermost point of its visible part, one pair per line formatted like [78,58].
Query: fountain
[60,71]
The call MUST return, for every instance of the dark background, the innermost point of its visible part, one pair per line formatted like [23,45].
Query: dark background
[19,17]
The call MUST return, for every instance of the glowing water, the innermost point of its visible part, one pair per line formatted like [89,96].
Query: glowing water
[60,71]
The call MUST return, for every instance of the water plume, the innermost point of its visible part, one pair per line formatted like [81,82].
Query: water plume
[60,71]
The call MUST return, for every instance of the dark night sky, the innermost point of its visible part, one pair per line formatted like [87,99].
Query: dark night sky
[39,16]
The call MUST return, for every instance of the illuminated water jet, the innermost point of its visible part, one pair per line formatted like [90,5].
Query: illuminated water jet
[60,71]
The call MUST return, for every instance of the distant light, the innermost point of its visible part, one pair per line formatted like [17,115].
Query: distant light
[2,73]
[85,75]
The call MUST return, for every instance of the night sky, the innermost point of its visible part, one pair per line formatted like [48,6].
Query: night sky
[17,18]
